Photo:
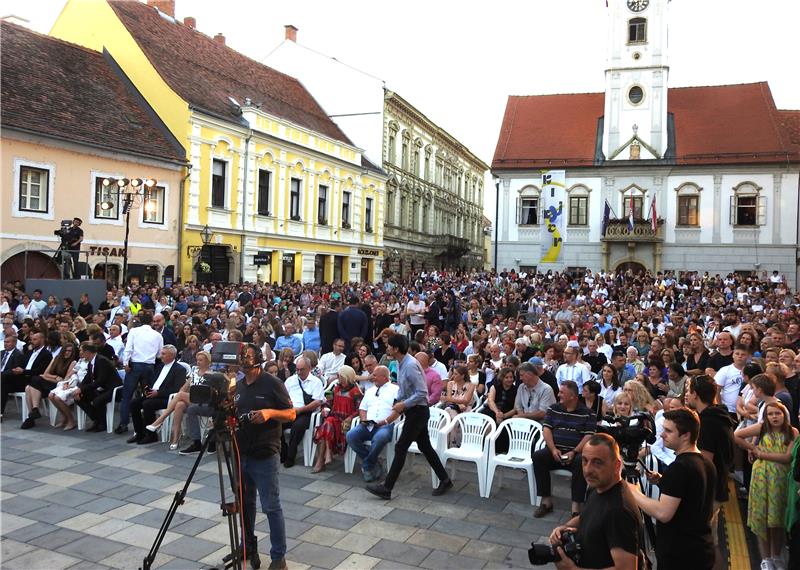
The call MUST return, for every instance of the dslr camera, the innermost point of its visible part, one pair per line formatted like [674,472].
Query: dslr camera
[540,554]
[211,390]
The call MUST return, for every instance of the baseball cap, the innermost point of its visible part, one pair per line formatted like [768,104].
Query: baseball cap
[536,361]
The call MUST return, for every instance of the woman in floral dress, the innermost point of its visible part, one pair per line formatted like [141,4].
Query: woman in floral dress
[329,436]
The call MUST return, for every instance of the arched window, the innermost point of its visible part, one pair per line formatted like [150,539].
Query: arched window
[688,205]
[528,206]
[637,30]
[578,205]
[748,206]
[391,144]
[632,196]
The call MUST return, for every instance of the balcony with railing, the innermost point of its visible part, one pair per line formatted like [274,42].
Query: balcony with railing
[449,245]
[619,231]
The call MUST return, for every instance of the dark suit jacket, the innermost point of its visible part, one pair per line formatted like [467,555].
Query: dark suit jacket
[104,376]
[328,330]
[169,336]
[39,365]
[16,359]
[176,378]
[352,323]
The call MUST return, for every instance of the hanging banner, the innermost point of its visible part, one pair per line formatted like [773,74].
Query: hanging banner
[553,208]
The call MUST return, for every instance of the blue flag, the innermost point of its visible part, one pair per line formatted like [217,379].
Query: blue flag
[606,217]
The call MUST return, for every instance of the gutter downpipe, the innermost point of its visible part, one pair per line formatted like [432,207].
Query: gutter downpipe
[181,199]
[244,200]
[496,219]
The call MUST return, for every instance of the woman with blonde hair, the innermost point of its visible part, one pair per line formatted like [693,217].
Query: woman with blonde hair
[640,396]
[339,414]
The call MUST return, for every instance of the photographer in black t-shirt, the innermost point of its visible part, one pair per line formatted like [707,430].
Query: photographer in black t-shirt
[685,508]
[609,526]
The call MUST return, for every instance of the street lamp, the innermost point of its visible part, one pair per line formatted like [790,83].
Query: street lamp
[133,191]
[206,234]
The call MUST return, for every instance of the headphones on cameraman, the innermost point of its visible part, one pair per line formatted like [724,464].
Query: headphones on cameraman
[259,355]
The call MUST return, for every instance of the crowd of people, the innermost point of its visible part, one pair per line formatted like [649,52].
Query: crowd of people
[564,350]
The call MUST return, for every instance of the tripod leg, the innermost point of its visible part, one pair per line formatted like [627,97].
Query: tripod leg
[234,509]
[173,508]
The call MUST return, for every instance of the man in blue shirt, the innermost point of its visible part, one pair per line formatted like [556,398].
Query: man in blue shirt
[289,340]
[311,338]
[412,400]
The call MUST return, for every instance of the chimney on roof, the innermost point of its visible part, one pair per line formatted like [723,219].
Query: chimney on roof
[291,33]
[220,39]
[165,6]
[190,22]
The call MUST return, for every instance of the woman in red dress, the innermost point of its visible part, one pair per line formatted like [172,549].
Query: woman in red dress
[329,436]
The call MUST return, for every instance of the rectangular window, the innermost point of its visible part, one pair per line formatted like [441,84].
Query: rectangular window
[637,30]
[346,209]
[294,199]
[153,205]
[427,167]
[638,204]
[578,210]
[415,163]
[529,212]
[368,215]
[33,188]
[390,208]
[390,150]
[405,155]
[322,205]
[403,211]
[264,189]
[218,184]
[106,200]
[748,210]
[687,210]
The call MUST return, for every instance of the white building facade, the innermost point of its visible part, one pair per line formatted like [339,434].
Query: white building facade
[721,163]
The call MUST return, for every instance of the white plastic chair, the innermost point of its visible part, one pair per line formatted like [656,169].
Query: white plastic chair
[522,436]
[437,421]
[476,430]
[81,415]
[540,444]
[44,407]
[309,447]
[166,427]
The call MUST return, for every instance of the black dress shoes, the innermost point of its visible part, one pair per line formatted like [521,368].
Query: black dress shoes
[380,491]
[148,437]
[120,429]
[443,487]
[135,438]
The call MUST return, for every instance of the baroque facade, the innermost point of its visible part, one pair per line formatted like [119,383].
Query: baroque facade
[709,175]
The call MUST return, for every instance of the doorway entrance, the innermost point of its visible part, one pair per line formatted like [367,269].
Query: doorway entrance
[632,266]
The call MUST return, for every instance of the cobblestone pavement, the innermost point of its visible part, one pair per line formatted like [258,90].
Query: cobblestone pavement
[87,500]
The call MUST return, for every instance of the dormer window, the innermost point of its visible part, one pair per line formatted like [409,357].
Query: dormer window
[637,30]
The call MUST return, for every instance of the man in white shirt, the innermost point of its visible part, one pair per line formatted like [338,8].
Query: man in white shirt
[571,370]
[307,393]
[139,357]
[169,378]
[330,362]
[416,311]
[729,379]
[115,340]
[376,405]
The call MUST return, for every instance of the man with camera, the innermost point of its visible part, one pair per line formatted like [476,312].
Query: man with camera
[262,404]
[686,505]
[608,530]
[73,238]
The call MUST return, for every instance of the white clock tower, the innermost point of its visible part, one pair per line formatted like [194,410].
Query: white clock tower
[635,122]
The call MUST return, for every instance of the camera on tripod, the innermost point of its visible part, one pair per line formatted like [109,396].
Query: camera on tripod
[630,432]
[63,231]
[540,554]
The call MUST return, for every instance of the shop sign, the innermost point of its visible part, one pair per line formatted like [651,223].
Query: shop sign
[107,251]
[288,258]
[365,251]
[262,258]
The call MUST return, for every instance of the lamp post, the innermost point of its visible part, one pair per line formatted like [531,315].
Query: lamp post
[133,191]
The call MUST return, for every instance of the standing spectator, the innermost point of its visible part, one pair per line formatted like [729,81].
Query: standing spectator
[329,327]
[571,370]
[416,310]
[141,349]
[723,356]
[311,336]
[160,326]
[729,379]
[593,357]
[352,323]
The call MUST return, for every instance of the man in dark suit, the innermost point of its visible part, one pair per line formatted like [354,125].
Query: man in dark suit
[11,359]
[329,327]
[97,387]
[103,348]
[35,362]
[169,376]
[352,323]
[160,325]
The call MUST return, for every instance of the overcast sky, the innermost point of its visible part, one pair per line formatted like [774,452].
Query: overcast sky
[457,61]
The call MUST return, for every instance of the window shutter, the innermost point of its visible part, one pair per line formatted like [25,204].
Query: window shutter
[761,211]
[519,211]
[733,211]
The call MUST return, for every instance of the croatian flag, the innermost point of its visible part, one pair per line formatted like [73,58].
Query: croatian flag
[653,217]
[630,215]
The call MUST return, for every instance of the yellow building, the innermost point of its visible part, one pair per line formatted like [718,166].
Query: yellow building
[273,179]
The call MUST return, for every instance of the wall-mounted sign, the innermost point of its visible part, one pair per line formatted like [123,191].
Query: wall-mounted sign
[106,251]
[288,258]
[365,251]
[262,258]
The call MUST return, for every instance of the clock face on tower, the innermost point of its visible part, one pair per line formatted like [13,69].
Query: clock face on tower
[638,5]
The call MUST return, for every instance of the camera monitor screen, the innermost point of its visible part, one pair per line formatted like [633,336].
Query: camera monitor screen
[226,352]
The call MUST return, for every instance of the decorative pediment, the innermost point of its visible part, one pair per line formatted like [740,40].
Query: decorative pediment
[638,150]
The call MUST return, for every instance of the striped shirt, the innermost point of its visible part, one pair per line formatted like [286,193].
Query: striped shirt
[569,428]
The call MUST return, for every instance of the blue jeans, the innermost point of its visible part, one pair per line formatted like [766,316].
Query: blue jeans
[193,413]
[359,435]
[140,374]
[262,475]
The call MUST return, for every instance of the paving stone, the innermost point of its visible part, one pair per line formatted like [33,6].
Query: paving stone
[322,535]
[399,552]
[334,520]
[40,492]
[392,565]
[409,503]
[61,463]
[122,492]
[132,557]
[295,528]
[88,565]
[141,536]
[460,528]
[113,473]
[447,510]
[486,550]
[502,520]
[70,497]
[54,514]
[193,526]
[10,549]
[217,533]
[320,556]
[22,505]
[298,496]
[155,517]
[382,529]
[358,562]
[101,505]
[439,559]
[197,547]
[15,485]
[108,527]
[323,501]
[358,543]
[506,536]
[326,488]
[41,560]
[362,509]
[178,564]
[295,511]
[56,539]
[82,521]
[437,540]
[479,503]
[28,533]
[541,527]
[92,548]
[14,522]
[410,518]
[127,511]
[64,479]
[59,451]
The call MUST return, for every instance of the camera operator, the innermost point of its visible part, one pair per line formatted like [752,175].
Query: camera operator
[264,399]
[685,508]
[73,240]
[608,529]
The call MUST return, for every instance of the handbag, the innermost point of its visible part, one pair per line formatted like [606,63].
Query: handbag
[307,398]
[347,423]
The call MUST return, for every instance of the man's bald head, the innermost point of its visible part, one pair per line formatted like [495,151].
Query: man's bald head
[423,360]
[380,376]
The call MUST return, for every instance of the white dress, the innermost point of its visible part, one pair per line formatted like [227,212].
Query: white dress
[65,390]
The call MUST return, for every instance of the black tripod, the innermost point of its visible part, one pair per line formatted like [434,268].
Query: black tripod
[222,433]
[63,258]
[632,474]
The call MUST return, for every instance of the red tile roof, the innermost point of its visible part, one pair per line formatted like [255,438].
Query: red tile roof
[725,124]
[205,73]
[61,90]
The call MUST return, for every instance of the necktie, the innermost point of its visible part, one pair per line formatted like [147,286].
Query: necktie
[90,371]
[6,354]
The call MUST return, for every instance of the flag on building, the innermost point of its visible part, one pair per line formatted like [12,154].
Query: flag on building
[653,216]
[630,214]
[606,218]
